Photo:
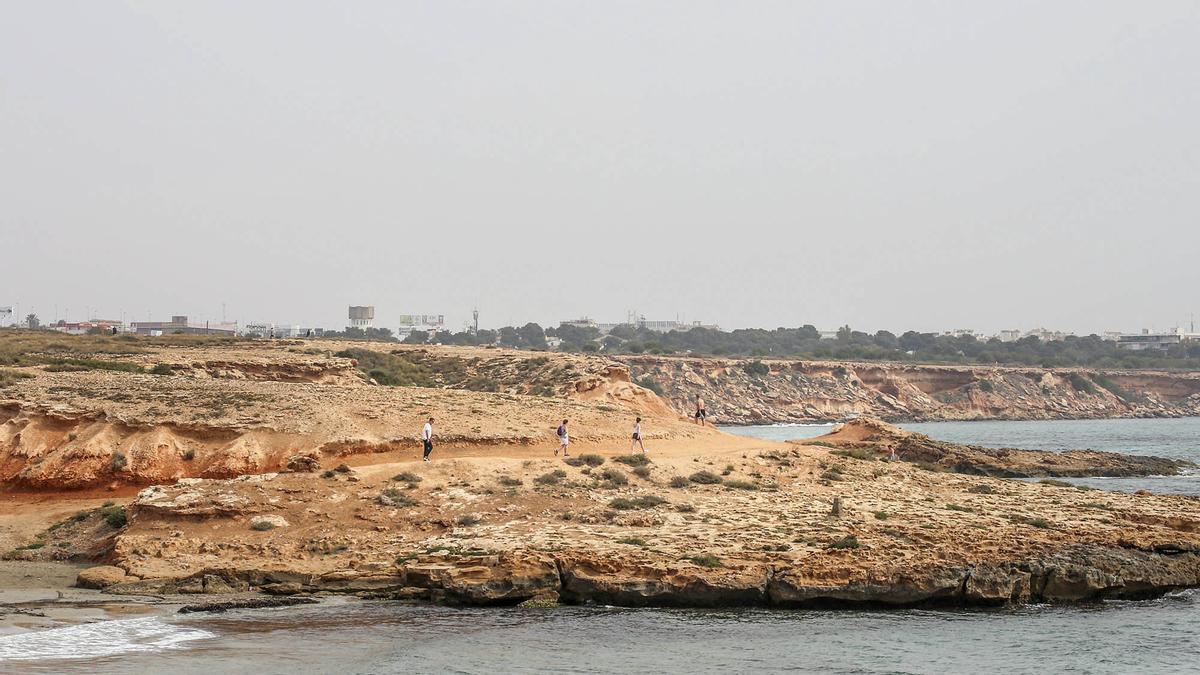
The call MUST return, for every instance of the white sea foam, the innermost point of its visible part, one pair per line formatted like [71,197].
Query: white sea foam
[100,639]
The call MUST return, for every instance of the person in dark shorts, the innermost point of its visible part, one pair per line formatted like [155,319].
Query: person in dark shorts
[701,414]
[427,437]
[637,437]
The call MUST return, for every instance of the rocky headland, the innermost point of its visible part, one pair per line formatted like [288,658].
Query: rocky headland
[198,479]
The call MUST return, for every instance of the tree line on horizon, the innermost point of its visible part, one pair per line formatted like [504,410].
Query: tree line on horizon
[805,343]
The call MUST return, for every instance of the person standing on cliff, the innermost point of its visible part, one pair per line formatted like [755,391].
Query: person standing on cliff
[637,437]
[701,415]
[564,440]
[427,437]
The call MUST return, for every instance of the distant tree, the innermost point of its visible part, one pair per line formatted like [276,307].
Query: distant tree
[417,337]
[886,340]
[532,336]
[509,337]
[844,333]
[32,321]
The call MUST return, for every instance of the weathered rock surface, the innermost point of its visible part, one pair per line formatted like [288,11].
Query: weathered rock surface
[883,439]
[102,576]
[817,391]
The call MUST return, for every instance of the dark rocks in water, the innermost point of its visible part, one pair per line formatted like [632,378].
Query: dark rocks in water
[246,603]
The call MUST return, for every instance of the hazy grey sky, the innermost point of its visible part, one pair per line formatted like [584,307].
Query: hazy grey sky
[893,165]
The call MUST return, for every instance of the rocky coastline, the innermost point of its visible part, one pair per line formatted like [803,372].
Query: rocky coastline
[768,391]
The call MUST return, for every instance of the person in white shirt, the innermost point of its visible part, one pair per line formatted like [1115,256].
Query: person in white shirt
[427,436]
[563,440]
[637,437]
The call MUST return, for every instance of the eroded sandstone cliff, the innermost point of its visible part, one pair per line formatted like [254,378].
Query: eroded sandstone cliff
[740,391]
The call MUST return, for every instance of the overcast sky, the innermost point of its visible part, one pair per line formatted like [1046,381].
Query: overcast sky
[898,165]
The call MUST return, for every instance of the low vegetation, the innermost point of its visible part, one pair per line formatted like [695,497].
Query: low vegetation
[9,376]
[705,478]
[850,541]
[394,497]
[554,477]
[707,560]
[614,476]
[855,453]
[633,460]
[639,502]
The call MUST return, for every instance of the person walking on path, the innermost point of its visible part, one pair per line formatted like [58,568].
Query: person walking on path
[427,437]
[563,440]
[701,415]
[637,437]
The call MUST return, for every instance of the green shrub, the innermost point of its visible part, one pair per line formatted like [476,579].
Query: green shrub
[633,460]
[162,369]
[679,482]
[756,369]
[854,453]
[832,474]
[639,502]
[1081,383]
[66,365]
[1040,523]
[8,377]
[707,560]
[114,516]
[552,478]
[632,541]
[1110,386]
[262,525]
[394,497]
[614,475]
[591,459]
[509,481]
[649,383]
[850,541]
[705,478]
[881,515]
[642,472]
[481,383]
[407,477]
[737,484]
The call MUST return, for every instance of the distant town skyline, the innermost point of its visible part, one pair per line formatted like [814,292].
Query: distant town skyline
[461,321]
[923,166]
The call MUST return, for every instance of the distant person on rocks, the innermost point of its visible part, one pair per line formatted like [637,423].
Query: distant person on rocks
[564,440]
[701,414]
[637,437]
[427,437]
